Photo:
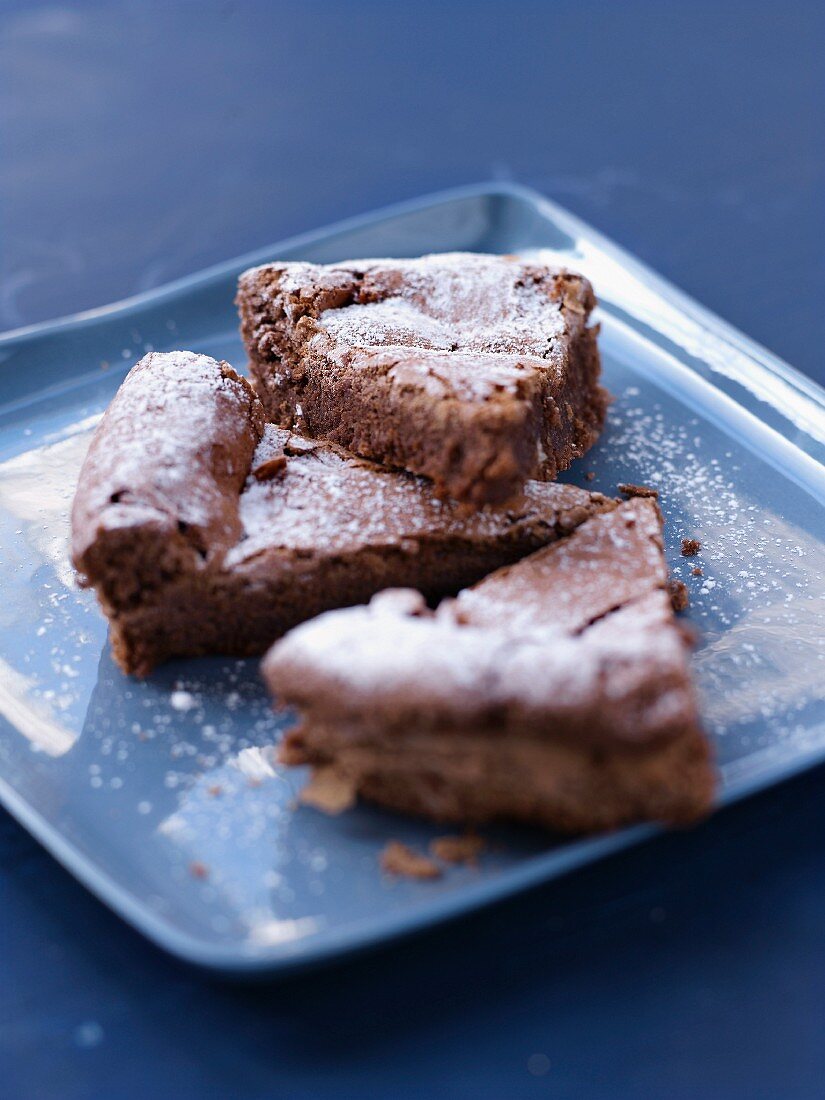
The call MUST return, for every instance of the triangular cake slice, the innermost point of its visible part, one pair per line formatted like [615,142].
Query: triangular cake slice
[557,691]
[204,529]
[479,372]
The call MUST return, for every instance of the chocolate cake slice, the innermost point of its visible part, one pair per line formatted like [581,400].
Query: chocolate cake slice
[478,372]
[555,692]
[204,529]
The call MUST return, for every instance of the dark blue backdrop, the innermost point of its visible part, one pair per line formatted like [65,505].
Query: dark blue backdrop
[144,141]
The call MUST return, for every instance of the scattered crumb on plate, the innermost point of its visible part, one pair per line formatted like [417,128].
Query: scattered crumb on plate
[627,489]
[328,790]
[691,547]
[679,596]
[458,849]
[398,859]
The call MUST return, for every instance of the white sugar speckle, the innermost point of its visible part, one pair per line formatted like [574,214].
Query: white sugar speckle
[742,610]
[182,700]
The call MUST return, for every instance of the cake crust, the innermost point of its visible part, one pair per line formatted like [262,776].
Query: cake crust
[204,529]
[556,691]
[479,372]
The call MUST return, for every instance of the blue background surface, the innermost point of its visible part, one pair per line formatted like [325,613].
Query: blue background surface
[144,141]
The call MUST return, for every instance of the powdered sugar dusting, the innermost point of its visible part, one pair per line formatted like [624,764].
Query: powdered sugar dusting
[326,502]
[610,560]
[382,666]
[457,302]
[581,625]
[460,324]
[758,601]
[173,441]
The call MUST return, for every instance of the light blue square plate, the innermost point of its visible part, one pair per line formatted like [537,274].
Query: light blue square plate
[162,796]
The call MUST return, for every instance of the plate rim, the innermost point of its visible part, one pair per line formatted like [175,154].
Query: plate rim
[323,946]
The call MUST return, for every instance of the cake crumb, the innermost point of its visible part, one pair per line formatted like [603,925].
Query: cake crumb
[690,547]
[198,869]
[627,489]
[328,790]
[679,596]
[458,849]
[269,470]
[696,571]
[589,475]
[398,859]
[291,750]
[215,790]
